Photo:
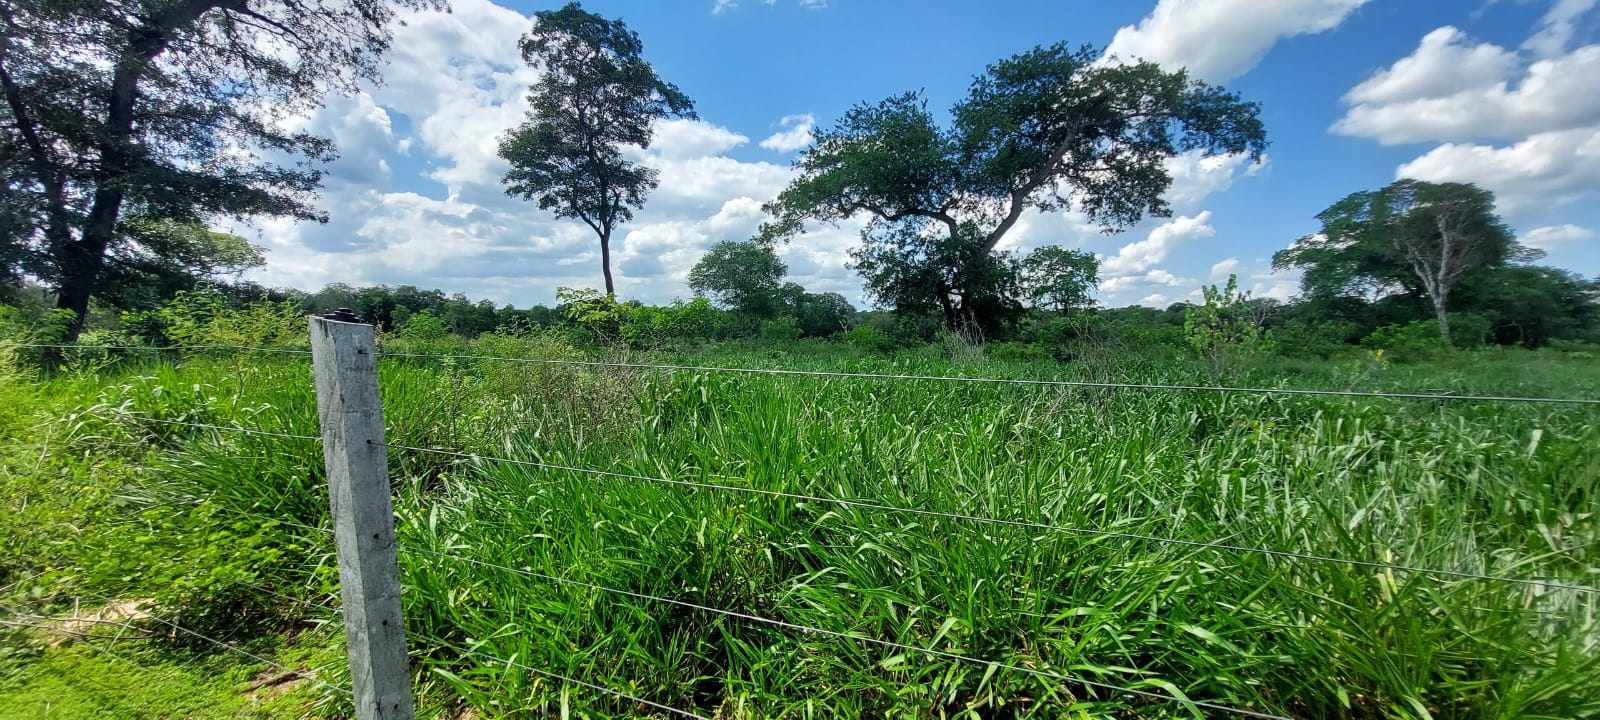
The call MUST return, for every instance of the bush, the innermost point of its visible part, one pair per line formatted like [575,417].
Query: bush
[423,327]
[203,317]
[780,329]
[1321,338]
[1470,330]
[1415,340]
[869,338]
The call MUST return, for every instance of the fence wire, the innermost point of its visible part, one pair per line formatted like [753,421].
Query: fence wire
[851,636]
[867,505]
[870,376]
[1013,381]
[800,628]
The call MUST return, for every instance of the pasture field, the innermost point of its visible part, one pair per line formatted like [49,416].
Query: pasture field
[105,494]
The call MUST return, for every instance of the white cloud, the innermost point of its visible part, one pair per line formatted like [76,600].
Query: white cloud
[1557,27]
[1442,64]
[796,133]
[1219,40]
[1543,171]
[1553,237]
[721,7]
[681,138]
[1223,268]
[1274,284]
[1162,277]
[1155,300]
[1196,176]
[455,82]
[1451,90]
[1138,257]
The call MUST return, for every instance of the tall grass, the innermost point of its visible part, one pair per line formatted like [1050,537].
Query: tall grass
[1492,489]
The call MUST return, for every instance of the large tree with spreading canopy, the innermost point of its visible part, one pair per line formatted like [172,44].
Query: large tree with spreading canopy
[1047,129]
[1410,236]
[123,115]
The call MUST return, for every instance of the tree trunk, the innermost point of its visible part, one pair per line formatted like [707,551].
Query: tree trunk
[80,262]
[605,260]
[1444,317]
[83,259]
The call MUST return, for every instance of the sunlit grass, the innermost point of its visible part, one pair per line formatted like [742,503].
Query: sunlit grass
[1495,489]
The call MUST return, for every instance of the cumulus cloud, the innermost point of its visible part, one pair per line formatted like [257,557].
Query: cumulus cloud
[1444,63]
[1140,256]
[796,133]
[1223,268]
[1557,27]
[681,138]
[453,84]
[1223,39]
[1451,89]
[1545,170]
[1196,176]
[1555,237]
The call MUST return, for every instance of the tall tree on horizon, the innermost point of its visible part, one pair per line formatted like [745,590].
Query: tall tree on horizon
[1419,236]
[595,96]
[121,115]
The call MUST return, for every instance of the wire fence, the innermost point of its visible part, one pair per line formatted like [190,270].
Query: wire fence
[989,665]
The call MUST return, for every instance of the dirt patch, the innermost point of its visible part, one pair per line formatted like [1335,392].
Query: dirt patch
[118,614]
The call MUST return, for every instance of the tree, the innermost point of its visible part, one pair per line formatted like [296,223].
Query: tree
[1413,236]
[163,257]
[1045,129]
[821,314]
[1226,326]
[742,276]
[167,108]
[1532,305]
[595,96]
[1058,278]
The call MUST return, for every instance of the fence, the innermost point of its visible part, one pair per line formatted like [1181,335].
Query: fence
[345,358]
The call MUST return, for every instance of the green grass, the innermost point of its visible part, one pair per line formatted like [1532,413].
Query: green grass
[1503,489]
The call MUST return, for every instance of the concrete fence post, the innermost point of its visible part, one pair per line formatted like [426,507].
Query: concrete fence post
[344,360]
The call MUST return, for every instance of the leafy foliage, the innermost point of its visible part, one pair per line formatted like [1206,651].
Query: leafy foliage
[1058,278]
[1041,129]
[742,276]
[1412,236]
[595,96]
[127,112]
[1225,328]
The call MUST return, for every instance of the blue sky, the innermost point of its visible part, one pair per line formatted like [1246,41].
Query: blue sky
[1354,94]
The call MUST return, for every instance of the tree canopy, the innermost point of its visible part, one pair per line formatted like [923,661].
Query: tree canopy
[1410,236]
[1058,278]
[1046,129]
[170,109]
[742,276]
[595,96]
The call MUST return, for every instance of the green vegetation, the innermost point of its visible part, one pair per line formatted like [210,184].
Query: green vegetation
[1066,531]
[1504,489]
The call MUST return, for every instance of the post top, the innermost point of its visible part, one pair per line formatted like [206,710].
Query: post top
[342,315]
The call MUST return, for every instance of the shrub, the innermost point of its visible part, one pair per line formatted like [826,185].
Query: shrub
[1470,330]
[1321,338]
[869,338]
[203,317]
[1225,328]
[780,329]
[1414,340]
[423,327]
